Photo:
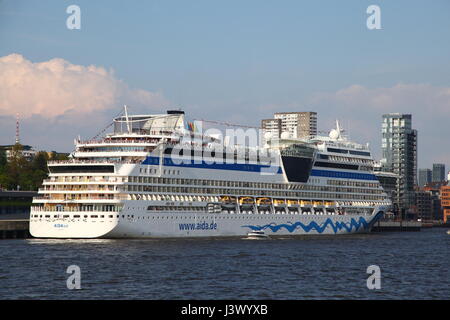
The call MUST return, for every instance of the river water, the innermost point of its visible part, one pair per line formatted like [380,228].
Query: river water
[413,265]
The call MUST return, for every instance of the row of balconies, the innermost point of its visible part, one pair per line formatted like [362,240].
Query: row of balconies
[84,179]
[120,141]
[89,187]
[79,197]
[79,161]
[77,208]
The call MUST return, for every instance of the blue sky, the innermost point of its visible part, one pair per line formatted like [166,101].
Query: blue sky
[243,60]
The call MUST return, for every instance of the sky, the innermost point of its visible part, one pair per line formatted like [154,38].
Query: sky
[232,61]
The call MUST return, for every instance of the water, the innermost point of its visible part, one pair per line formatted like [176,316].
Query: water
[414,265]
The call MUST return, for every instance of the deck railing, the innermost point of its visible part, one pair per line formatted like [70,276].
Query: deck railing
[100,162]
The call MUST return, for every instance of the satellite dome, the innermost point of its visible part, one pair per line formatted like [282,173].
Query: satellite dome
[334,134]
[285,135]
[268,135]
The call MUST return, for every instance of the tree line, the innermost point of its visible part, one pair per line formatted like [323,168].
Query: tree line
[18,173]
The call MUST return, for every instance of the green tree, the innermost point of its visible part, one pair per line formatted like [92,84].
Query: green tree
[39,161]
[4,181]
[16,168]
[18,171]
[3,159]
[39,169]
[58,156]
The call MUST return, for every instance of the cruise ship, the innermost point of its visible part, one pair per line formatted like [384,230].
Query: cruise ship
[156,176]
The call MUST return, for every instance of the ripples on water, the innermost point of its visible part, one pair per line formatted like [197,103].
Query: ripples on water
[413,266]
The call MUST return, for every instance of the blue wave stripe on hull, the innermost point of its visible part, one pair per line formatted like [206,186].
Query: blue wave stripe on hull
[336,226]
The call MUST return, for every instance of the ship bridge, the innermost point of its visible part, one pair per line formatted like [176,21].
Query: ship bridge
[150,124]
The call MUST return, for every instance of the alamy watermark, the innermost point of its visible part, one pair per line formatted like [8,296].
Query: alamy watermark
[374,20]
[73,21]
[212,147]
[374,280]
[74,280]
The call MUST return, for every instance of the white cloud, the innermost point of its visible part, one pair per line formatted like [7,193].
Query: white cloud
[406,98]
[362,109]
[56,87]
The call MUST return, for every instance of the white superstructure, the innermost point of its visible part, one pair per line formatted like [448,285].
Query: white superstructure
[152,177]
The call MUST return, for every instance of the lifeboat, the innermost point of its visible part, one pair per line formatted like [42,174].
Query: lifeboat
[257,235]
[227,199]
[228,202]
[317,203]
[305,203]
[279,202]
[329,204]
[263,202]
[246,201]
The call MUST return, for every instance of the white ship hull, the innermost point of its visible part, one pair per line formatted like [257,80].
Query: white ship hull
[179,225]
[151,178]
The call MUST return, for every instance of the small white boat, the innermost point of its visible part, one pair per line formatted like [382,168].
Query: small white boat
[448,231]
[257,235]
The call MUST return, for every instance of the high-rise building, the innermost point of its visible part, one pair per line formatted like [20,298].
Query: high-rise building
[389,181]
[295,124]
[399,155]
[298,124]
[424,205]
[424,177]
[435,188]
[438,172]
[26,151]
[272,126]
[445,202]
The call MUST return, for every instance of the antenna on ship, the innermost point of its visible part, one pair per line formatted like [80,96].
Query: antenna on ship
[126,117]
[338,128]
[336,134]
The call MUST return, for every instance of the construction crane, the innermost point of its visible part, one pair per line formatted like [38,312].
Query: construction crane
[245,126]
[228,124]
